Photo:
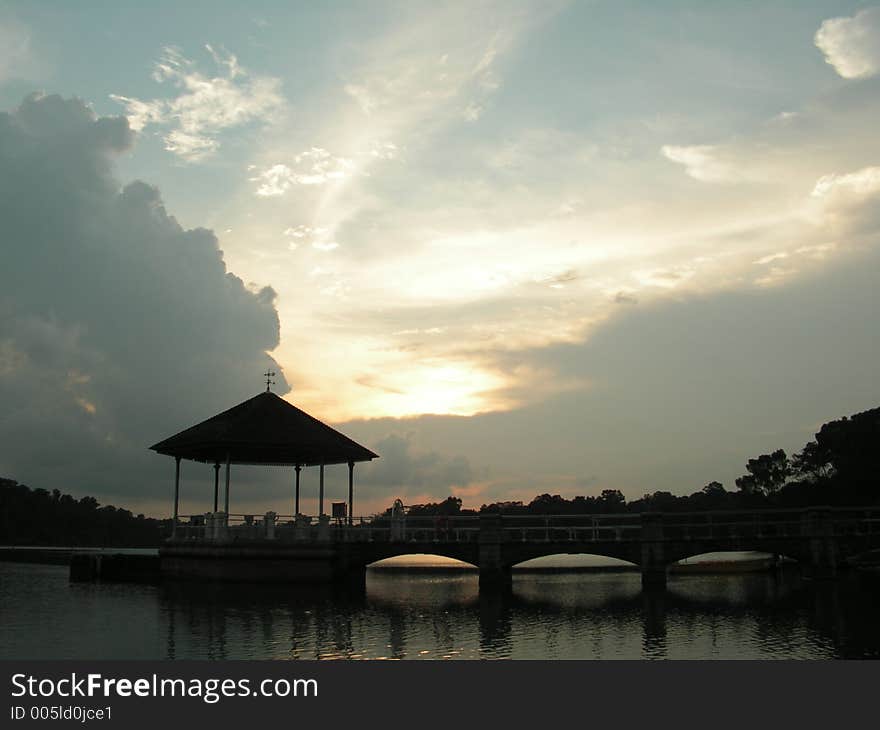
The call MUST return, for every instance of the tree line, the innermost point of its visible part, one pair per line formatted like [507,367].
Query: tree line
[41,518]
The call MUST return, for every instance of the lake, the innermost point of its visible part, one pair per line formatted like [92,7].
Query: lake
[428,616]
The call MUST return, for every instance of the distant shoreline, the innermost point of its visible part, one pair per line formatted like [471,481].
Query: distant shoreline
[60,555]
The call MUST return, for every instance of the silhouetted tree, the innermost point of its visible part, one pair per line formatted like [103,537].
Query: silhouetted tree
[612,500]
[544,504]
[766,474]
[660,502]
[449,506]
[852,446]
[813,462]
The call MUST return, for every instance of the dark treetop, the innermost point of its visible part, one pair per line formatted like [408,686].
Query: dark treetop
[265,429]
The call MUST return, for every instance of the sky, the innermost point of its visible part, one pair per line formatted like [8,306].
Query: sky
[512,247]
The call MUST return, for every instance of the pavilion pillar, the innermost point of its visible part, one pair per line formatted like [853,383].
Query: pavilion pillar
[176,486]
[350,492]
[298,469]
[226,497]
[216,484]
[321,494]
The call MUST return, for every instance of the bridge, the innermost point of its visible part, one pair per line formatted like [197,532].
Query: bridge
[282,548]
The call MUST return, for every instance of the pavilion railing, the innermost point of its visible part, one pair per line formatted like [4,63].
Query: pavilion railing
[304,528]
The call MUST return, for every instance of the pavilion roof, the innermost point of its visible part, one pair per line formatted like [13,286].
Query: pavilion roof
[265,429]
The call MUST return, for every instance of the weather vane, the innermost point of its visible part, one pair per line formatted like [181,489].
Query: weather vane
[269,374]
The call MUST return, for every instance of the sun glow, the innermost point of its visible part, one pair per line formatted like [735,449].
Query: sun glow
[448,389]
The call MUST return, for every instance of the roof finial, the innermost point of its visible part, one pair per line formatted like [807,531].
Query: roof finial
[269,374]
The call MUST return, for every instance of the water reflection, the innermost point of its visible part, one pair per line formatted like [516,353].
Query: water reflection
[559,616]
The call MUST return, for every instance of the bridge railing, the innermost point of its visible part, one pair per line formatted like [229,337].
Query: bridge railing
[855,521]
[571,528]
[718,525]
[733,525]
[452,528]
[728,525]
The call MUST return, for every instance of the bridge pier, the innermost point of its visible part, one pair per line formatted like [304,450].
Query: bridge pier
[654,577]
[823,551]
[353,577]
[495,577]
[653,558]
[493,570]
[347,569]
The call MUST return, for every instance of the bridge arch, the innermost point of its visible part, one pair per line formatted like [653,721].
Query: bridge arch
[428,559]
[518,553]
[364,554]
[605,561]
[734,557]
[675,553]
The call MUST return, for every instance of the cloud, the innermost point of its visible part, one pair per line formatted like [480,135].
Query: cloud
[862,183]
[702,162]
[315,166]
[770,258]
[404,466]
[384,150]
[472,112]
[204,105]
[551,288]
[852,44]
[674,395]
[303,231]
[118,327]
[473,232]
[317,234]
[849,201]
[623,297]
[438,64]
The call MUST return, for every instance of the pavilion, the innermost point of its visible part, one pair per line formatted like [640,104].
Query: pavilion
[264,430]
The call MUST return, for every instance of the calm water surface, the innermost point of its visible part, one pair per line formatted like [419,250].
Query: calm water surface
[406,616]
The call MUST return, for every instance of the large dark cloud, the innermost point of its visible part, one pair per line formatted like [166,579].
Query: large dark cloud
[117,326]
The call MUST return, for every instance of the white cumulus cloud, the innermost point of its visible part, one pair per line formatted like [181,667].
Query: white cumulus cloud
[852,44]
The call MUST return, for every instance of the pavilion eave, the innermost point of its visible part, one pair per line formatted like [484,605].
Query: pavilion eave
[265,454]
